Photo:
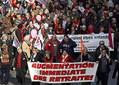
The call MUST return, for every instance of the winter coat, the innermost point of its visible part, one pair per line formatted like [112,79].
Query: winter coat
[107,63]
[49,47]
[69,46]
[37,58]
[23,62]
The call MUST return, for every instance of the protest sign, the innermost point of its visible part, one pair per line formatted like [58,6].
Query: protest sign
[62,72]
[91,41]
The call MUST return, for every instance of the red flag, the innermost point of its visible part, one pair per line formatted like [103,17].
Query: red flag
[56,23]
[82,46]
[110,37]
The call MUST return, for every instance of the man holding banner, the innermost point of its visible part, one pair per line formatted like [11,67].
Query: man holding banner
[35,57]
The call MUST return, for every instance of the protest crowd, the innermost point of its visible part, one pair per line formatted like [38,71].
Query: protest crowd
[25,26]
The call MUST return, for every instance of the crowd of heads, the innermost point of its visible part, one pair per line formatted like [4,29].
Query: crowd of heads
[57,17]
[26,27]
[62,16]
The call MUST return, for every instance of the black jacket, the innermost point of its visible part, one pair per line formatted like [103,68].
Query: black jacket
[86,57]
[107,65]
[38,57]
[69,46]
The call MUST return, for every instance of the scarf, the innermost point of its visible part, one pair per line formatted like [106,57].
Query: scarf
[19,60]
[64,58]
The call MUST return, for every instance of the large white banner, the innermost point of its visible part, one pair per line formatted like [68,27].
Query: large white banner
[62,72]
[91,41]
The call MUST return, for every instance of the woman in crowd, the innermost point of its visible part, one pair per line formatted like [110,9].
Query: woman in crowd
[86,57]
[35,57]
[5,65]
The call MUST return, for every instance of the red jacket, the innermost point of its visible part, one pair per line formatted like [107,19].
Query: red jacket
[49,47]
